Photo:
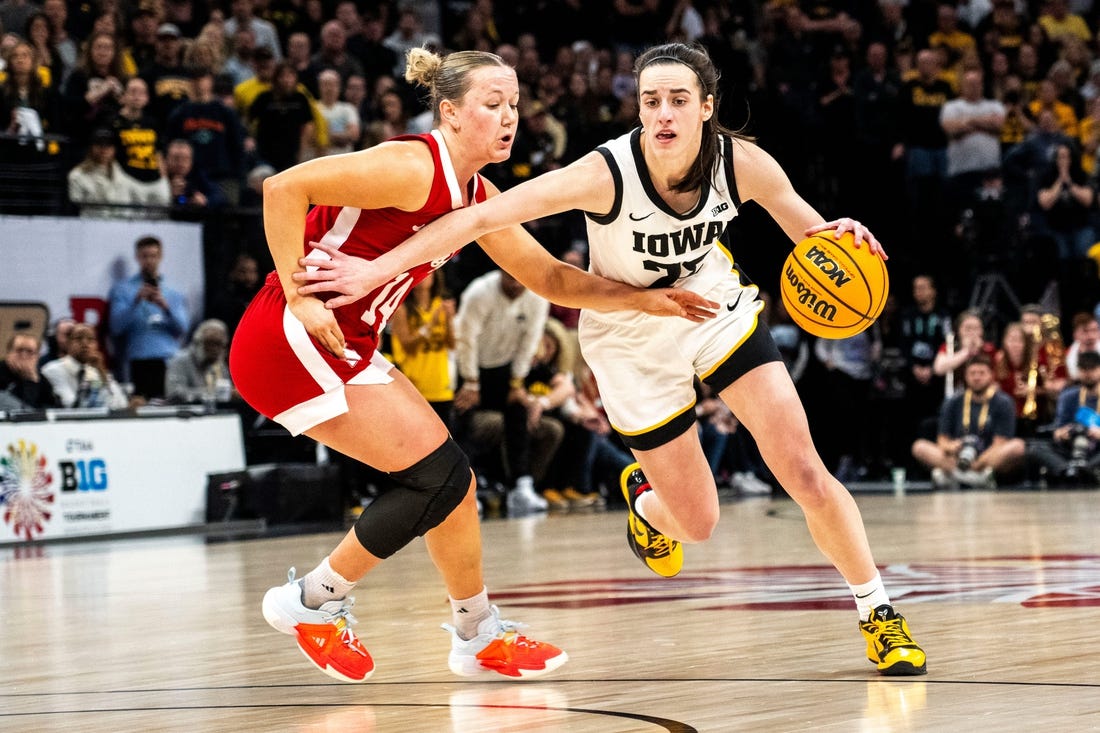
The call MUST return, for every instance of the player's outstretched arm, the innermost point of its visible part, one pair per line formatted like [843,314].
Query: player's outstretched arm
[495,224]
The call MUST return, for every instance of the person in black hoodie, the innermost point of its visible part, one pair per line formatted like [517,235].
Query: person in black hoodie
[215,133]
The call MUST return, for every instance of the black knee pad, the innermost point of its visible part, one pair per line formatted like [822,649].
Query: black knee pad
[421,497]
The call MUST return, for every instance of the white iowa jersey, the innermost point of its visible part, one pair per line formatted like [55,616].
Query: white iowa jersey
[644,242]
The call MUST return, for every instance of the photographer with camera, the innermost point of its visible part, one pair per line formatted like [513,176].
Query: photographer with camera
[1072,454]
[147,320]
[976,442]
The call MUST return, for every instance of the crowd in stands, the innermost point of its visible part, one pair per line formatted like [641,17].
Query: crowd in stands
[965,134]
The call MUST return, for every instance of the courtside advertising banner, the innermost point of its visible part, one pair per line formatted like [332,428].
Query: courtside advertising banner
[96,476]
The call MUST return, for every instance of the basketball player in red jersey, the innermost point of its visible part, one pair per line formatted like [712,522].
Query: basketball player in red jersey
[657,201]
[316,371]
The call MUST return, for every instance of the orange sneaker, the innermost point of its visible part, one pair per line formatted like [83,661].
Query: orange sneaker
[324,634]
[499,648]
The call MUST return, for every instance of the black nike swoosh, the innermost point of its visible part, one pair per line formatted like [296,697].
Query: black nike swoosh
[639,218]
[731,306]
[864,595]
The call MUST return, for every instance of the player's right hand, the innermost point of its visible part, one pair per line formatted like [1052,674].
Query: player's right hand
[320,323]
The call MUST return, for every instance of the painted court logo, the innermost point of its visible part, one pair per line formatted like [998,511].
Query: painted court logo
[1050,581]
[26,489]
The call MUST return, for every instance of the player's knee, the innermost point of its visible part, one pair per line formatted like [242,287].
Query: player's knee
[442,478]
[695,517]
[699,528]
[422,497]
[810,484]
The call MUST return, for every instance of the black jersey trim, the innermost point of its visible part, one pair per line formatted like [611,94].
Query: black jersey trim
[661,434]
[617,177]
[651,191]
[731,179]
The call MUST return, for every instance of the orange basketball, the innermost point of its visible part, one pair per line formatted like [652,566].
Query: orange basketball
[831,288]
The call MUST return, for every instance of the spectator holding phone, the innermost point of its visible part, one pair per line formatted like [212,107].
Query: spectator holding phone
[147,321]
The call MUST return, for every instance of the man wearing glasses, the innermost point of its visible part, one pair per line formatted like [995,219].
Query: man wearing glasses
[21,386]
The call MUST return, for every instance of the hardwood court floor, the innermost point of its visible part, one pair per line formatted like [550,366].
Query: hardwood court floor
[757,634]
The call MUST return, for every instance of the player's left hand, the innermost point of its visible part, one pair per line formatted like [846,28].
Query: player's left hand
[351,277]
[859,232]
[678,302]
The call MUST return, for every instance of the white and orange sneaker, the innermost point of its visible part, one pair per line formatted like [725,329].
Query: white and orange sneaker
[499,648]
[323,634]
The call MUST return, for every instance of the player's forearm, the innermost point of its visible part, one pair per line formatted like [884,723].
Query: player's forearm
[572,287]
[284,225]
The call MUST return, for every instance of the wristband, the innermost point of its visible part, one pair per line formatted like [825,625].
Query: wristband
[473,386]
[517,383]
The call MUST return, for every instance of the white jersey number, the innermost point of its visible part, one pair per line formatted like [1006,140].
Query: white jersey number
[387,300]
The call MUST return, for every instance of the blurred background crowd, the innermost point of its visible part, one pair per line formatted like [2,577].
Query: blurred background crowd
[964,134]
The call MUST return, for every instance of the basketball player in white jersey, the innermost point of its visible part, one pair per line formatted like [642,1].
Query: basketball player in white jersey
[657,203]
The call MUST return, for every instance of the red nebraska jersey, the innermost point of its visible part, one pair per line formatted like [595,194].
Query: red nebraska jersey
[282,371]
[368,233]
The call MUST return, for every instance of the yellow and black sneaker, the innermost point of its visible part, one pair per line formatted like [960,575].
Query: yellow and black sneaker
[889,645]
[660,554]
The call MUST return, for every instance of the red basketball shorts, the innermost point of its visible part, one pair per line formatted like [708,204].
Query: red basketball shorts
[287,376]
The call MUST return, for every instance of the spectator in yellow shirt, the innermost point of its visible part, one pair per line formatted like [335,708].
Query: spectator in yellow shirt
[1059,23]
[1047,98]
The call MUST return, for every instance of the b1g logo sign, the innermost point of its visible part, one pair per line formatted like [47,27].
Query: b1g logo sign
[83,475]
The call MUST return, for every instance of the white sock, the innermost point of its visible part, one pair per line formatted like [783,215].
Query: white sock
[469,612]
[323,584]
[640,504]
[869,596]
[526,484]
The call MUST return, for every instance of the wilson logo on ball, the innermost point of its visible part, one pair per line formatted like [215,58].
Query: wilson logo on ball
[809,299]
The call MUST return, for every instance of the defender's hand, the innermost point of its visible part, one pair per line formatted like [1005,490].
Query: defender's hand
[678,302]
[350,277]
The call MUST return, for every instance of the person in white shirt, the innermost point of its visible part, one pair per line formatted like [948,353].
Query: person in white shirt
[1086,337]
[344,129]
[973,126]
[263,31]
[499,327]
[80,379]
[99,179]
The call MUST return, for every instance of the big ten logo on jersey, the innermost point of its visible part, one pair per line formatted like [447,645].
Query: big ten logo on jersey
[84,473]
